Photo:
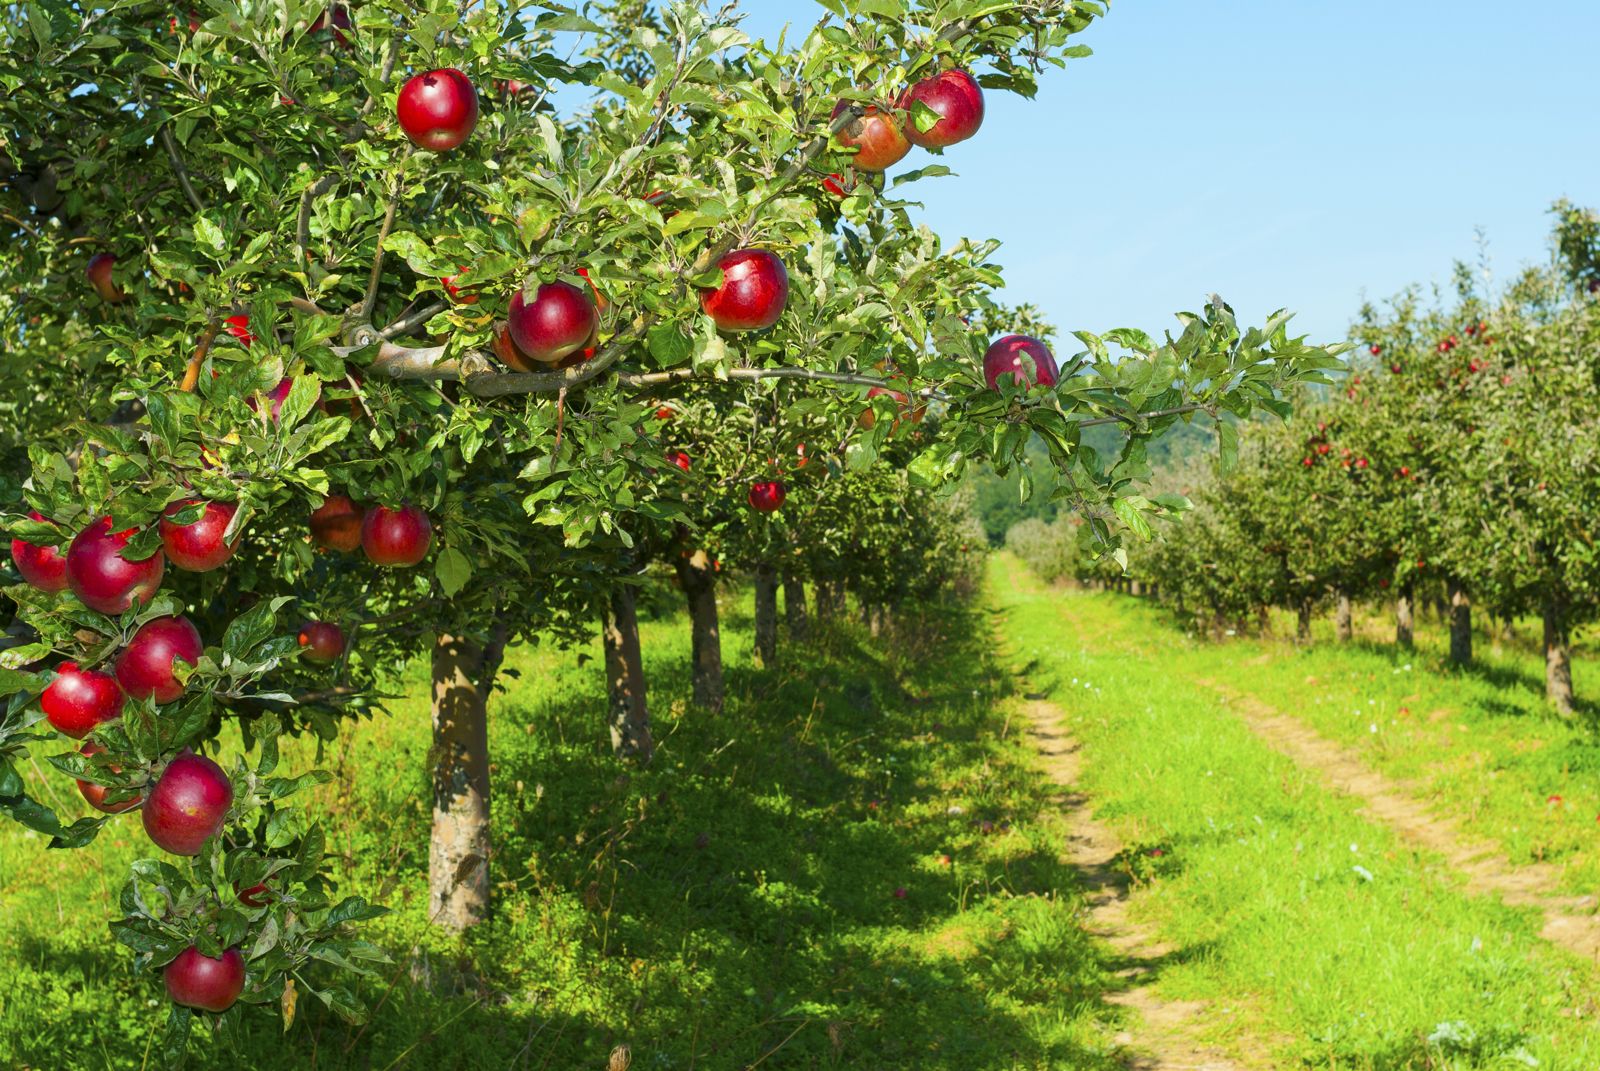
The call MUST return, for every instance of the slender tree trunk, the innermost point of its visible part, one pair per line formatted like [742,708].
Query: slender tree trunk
[1135,588]
[629,711]
[823,589]
[1342,618]
[767,615]
[1403,625]
[1302,626]
[794,607]
[700,588]
[1557,654]
[1460,623]
[865,613]
[458,857]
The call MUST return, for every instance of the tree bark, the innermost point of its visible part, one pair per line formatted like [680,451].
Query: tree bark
[767,615]
[1404,605]
[1302,627]
[1460,623]
[458,856]
[628,714]
[794,607]
[1342,618]
[700,588]
[1557,654]
[1135,588]
[824,600]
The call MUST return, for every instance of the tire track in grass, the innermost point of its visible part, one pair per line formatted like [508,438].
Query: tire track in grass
[1167,1034]
[1569,922]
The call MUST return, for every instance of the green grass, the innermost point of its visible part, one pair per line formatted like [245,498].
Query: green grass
[1341,944]
[732,905]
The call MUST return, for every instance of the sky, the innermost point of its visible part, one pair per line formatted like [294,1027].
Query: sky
[1300,154]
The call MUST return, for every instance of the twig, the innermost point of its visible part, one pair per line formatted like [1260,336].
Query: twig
[303,228]
[191,374]
[182,172]
[412,320]
[371,299]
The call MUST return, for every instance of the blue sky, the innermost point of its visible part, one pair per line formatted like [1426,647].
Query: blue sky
[1282,153]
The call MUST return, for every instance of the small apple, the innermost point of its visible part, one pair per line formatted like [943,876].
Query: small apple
[80,699]
[880,142]
[102,578]
[44,567]
[274,397]
[456,292]
[147,666]
[321,642]
[767,496]
[558,322]
[195,980]
[341,22]
[1009,356]
[754,290]
[239,328]
[665,412]
[680,459]
[198,547]
[838,185]
[188,804]
[336,524]
[956,98]
[255,895]
[507,351]
[438,110]
[95,795]
[98,272]
[399,537]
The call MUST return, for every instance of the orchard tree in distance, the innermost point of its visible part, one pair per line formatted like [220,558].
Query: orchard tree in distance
[296,205]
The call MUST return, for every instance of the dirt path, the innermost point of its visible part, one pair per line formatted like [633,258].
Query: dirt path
[1164,1034]
[1569,921]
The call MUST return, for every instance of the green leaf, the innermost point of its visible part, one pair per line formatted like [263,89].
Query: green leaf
[453,569]
[209,234]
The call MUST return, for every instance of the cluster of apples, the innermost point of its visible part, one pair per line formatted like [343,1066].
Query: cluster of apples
[882,137]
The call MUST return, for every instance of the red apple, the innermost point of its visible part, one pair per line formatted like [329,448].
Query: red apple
[102,578]
[336,524]
[838,185]
[146,666]
[188,804]
[665,412]
[955,96]
[438,110]
[321,642]
[79,699]
[878,139]
[275,398]
[255,895]
[680,459]
[396,536]
[507,351]
[754,290]
[198,547]
[341,22]
[767,496]
[239,327]
[43,567]
[195,980]
[1006,358]
[95,794]
[455,291]
[869,416]
[558,322]
[98,272]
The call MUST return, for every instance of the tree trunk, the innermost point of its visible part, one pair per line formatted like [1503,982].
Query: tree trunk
[1342,618]
[1302,626]
[767,615]
[700,587]
[866,613]
[1557,654]
[1403,606]
[1135,588]
[629,710]
[1460,623]
[458,857]
[794,607]
[824,592]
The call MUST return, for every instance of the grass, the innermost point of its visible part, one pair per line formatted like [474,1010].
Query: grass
[733,906]
[1343,947]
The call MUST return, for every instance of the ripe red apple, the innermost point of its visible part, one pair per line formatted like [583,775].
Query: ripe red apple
[43,567]
[188,804]
[838,185]
[198,547]
[275,398]
[438,110]
[396,536]
[195,980]
[239,327]
[341,22]
[102,578]
[321,642]
[98,272]
[456,292]
[559,321]
[665,412]
[680,459]
[507,351]
[957,99]
[146,666]
[255,895]
[767,496]
[880,142]
[79,699]
[754,290]
[869,417]
[336,524]
[1006,358]
[95,794]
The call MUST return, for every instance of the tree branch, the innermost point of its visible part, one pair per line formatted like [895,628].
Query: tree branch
[303,227]
[181,171]
[365,312]
[191,374]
